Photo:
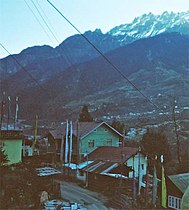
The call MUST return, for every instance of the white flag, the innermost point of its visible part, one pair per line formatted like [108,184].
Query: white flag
[66,143]
[71,132]
[16,111]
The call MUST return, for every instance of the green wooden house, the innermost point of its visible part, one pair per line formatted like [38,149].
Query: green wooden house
[11,143]
[87,136]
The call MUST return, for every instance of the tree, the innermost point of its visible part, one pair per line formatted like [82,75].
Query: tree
[118,126]
[3,157]
[85,116]
[154,143]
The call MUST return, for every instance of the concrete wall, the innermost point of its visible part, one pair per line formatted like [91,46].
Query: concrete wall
[13,149]
[101,136]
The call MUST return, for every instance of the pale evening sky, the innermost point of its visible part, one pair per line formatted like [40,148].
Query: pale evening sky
[19,28]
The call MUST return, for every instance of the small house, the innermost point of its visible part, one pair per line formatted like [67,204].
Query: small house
[87,136]
[176,187]
[108,165]
[11,142]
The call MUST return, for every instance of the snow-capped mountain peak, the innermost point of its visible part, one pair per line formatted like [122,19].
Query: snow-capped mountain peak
[149,25]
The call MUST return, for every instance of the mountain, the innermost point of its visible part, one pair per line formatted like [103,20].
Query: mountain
[158,66]
[45,61]
[73,73]
[149,25]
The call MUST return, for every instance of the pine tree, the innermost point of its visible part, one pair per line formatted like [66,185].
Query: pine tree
[155,144]
[85,116]
[3,157]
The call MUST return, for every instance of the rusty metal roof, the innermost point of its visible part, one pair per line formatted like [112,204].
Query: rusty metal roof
[113,154]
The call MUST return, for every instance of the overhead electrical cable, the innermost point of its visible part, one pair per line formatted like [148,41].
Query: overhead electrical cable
[44,21]
[107,59]
[63,54]
[53,33]
[25,70]
[38,21]
[46,18]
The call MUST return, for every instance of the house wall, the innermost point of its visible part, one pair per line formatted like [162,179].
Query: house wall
[134,163]
[13,149]
[101,136]
[51,147]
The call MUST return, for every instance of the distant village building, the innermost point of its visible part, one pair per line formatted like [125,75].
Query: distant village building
[11,142]
[87,136]
[27,147]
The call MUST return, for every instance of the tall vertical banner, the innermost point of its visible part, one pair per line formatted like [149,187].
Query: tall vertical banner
[147,182]
[62,146]
[2,110]
[71,134]
[66,143]
[163,187]
[35,133]
[154,190]
[140,172]
[9,112]
[16,113]
[134,181]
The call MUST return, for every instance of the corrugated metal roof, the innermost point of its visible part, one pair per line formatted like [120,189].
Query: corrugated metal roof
[100,167]
[113,154]
[47,171]
[181,181]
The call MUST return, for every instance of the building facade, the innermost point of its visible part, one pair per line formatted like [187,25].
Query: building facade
[11,143]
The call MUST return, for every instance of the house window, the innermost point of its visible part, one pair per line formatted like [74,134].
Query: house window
[174,202]
[91,144]
[142,166]
[105,129]
[109,142]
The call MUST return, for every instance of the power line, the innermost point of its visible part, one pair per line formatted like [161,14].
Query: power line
[47,18]
[44,21]
[68,60]
[53,34]
[25,70]
[114,66]
[38,21]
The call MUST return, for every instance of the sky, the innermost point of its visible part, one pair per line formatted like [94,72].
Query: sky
[21,25]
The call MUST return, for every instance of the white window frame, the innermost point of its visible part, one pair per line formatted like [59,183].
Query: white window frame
[109,142]
[174,202]
[91,142]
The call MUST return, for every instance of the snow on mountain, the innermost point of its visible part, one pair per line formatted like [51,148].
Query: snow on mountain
[149,25]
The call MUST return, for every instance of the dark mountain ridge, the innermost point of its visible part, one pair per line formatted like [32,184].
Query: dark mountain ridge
[76,50]
[157,65]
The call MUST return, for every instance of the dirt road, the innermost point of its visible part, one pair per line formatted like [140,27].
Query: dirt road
[90,200]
